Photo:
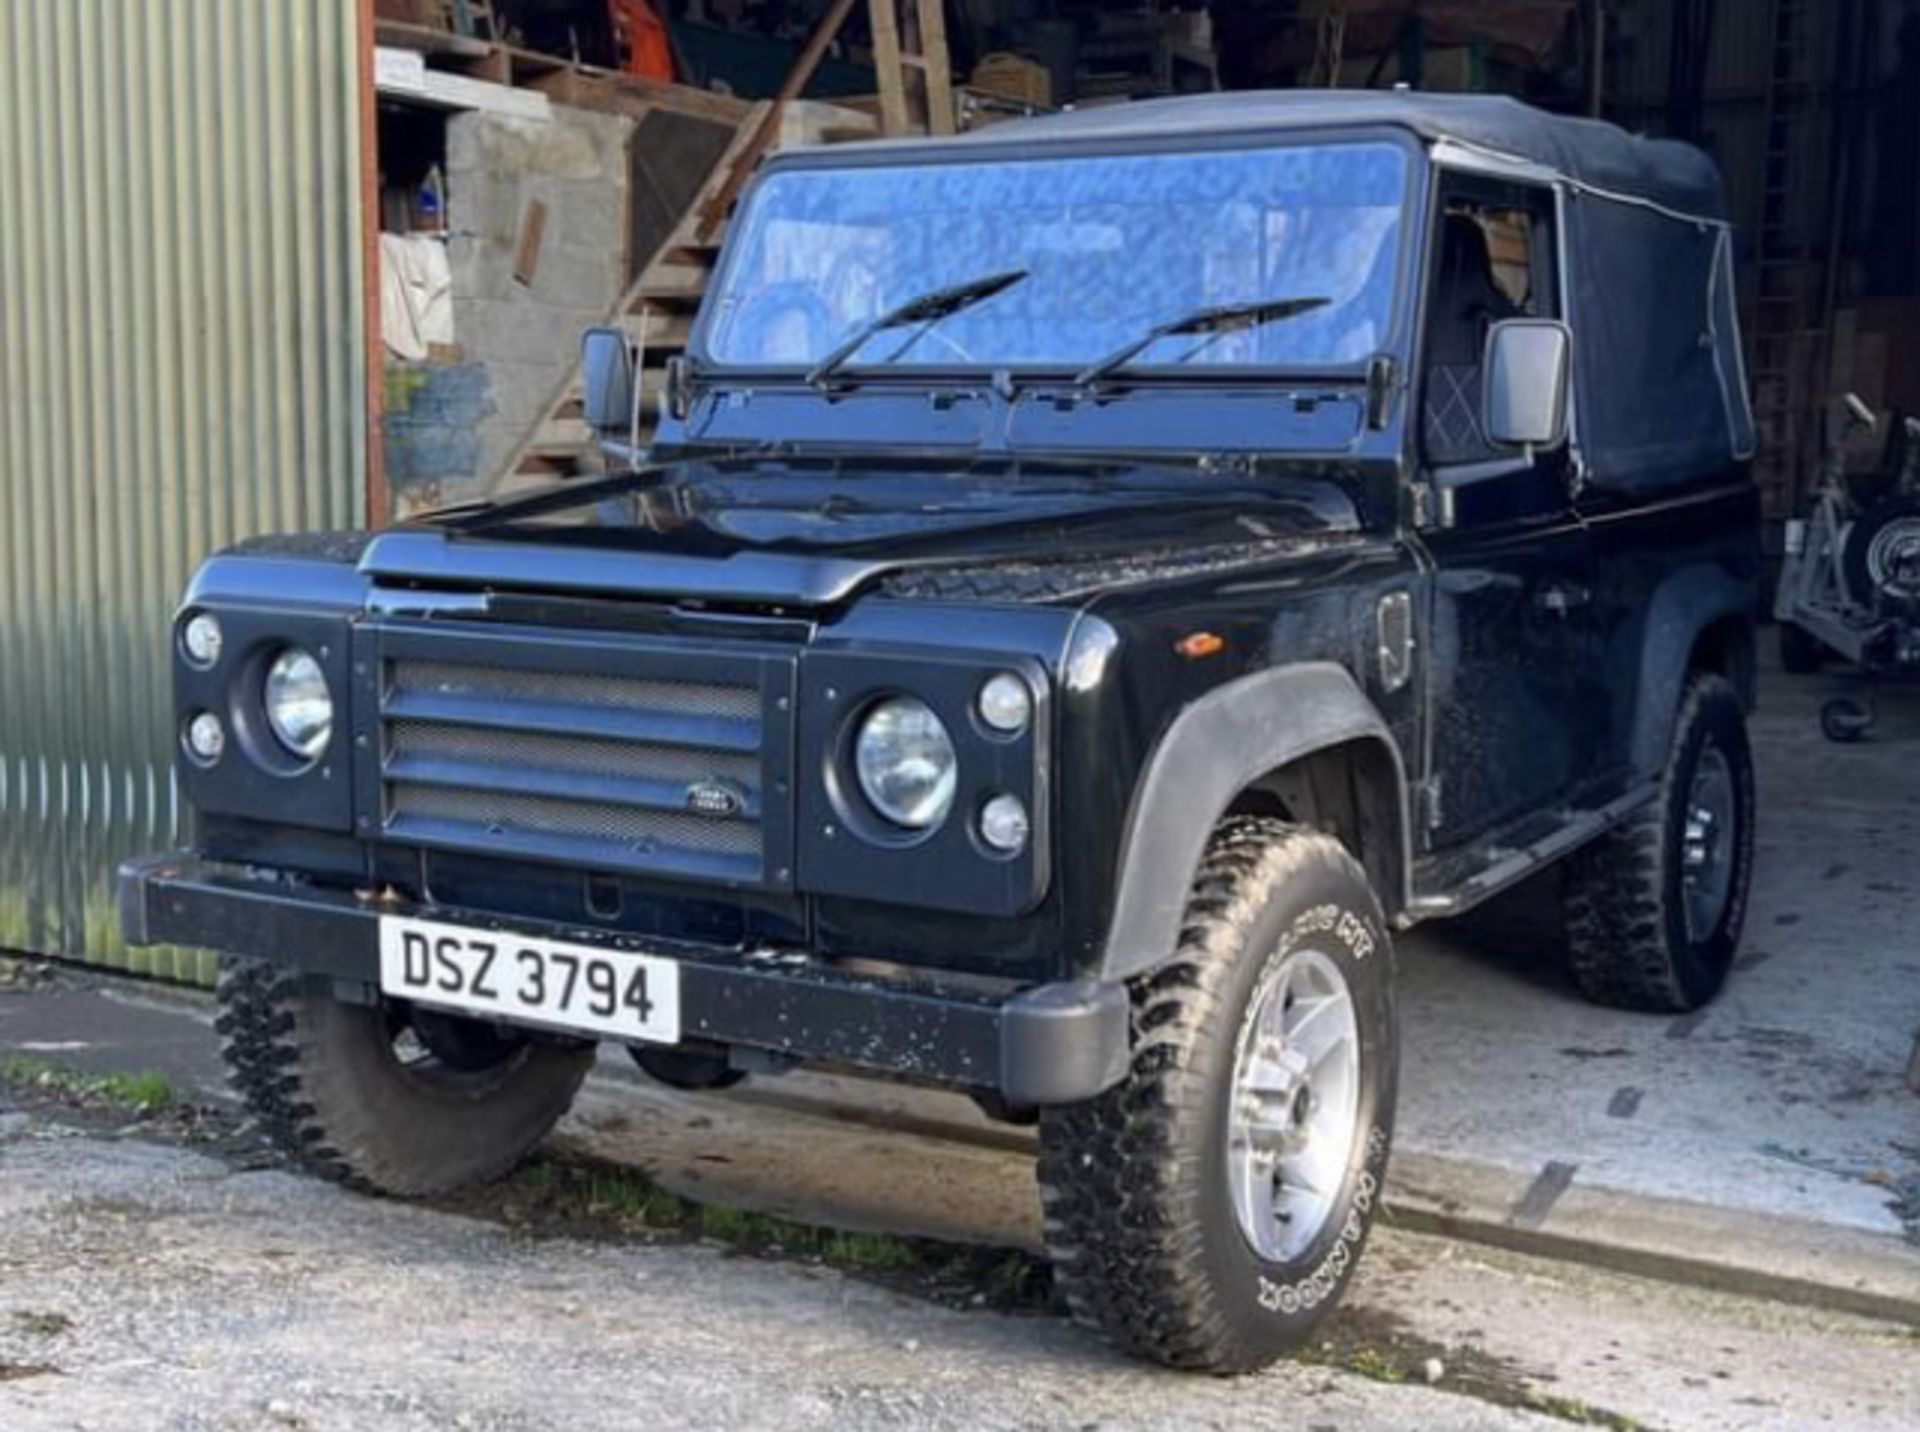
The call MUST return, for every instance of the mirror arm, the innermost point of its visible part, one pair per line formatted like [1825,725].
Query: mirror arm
[638,352]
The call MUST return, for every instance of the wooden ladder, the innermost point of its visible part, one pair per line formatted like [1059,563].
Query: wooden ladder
[926,26]
[1784,320]
[657,309]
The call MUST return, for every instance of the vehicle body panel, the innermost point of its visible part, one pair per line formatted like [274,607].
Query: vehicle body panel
[1206,577]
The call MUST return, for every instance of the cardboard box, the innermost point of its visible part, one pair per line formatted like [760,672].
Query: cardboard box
[1014,77]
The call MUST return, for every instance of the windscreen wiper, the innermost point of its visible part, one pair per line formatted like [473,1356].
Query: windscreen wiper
[1215,322]
[926,310]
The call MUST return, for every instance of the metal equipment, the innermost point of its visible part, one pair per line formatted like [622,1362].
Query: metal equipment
[1850,585]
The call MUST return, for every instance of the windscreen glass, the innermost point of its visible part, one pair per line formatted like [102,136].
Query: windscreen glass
[1110,247]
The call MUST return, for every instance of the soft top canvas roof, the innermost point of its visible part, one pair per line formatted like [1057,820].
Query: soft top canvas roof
[1592,152]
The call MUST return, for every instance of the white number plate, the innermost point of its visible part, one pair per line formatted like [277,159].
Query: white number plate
[513,977]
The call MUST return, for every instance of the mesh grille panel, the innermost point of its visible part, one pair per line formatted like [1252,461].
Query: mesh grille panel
[677,698]
[572,754]
[503,816]
[596,769]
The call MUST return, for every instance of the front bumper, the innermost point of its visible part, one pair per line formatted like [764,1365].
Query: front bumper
[1043,1044]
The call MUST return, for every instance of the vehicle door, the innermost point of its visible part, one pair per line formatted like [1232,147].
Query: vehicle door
[1511,639]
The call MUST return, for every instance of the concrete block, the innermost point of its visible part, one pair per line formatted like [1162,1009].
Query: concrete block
[573,144]
[578,277]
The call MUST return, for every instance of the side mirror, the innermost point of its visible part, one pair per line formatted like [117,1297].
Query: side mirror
[1527,365]
[606,373]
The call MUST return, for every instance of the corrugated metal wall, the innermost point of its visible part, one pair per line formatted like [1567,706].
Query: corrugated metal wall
[181,364]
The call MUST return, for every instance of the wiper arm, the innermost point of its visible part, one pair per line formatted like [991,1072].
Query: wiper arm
[1216,322]
[928,309]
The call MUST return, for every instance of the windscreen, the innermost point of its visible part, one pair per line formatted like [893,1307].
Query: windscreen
[1110,245]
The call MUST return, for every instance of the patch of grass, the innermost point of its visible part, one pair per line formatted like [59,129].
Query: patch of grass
[1382,1347]
[148,1092]
[1375,1365]
[1572,1409]
[42,1325]
[570,1196]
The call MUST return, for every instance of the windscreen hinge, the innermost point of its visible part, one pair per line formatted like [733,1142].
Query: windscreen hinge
[1380,371]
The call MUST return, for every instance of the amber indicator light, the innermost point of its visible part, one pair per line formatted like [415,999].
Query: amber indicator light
[1197,644]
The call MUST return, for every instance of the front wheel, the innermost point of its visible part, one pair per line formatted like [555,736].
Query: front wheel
[382,1096]
[1209,1211]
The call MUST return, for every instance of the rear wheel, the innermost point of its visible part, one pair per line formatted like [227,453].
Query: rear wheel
[384,1096]
[1655,906]
[1210,1210]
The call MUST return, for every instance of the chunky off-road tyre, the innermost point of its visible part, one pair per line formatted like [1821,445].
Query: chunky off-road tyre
[385,1101]
[1801,652]
[1655,906]
[697,1071]
[1164,1227]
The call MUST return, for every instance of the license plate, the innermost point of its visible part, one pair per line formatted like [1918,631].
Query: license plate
[515,977]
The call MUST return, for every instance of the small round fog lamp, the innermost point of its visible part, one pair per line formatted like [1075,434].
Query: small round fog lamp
[1006,703]
[1004,825]
[202,639]
[206,738]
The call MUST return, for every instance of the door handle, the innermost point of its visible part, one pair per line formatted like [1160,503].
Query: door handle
[1559,598]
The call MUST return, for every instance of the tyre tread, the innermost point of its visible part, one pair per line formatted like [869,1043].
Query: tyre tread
[1617,900]
[1122,1222]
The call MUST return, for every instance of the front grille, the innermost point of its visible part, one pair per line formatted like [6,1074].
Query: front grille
[616,768]
[593,822]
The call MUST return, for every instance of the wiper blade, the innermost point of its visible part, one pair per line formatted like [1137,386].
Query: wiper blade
[927,309]
[1216,322]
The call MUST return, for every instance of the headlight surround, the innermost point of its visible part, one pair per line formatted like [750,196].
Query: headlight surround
[298,703]
[904,759]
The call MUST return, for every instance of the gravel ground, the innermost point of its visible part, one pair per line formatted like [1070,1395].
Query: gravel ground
[148,1287]
[162,1273]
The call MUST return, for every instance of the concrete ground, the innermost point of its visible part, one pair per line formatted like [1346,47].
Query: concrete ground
[1767,1145]
[144,1285]
[1784,1097]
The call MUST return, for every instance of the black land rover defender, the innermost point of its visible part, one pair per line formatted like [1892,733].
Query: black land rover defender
[1094,580]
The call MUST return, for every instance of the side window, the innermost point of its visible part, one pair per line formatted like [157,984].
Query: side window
[1493,258]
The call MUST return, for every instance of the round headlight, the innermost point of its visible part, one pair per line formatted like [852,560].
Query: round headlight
[905,762]
[1006,703]
[202,639]
[299,706]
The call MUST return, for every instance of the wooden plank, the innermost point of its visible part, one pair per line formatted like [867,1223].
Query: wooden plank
[675,281]
[936,66]
[885,20]
[428,40]
[714,213]
[526,253]
[403,74]
[664,330]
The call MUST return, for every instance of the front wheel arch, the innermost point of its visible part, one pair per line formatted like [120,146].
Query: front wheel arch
[1247,747]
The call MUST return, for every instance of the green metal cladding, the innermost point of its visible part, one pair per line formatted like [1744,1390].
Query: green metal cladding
[182,364]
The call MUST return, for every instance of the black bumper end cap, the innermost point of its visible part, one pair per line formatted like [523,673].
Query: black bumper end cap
[130,897]
[1063,1043]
